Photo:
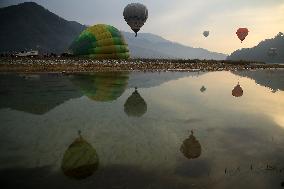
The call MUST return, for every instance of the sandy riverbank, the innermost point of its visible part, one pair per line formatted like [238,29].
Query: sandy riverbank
[71,65]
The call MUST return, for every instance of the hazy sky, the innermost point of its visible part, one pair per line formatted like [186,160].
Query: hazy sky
[183,21]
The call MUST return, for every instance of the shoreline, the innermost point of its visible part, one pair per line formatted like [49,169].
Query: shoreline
[81,65]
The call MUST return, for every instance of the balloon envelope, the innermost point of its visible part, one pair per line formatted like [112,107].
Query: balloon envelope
[242,33]
[100,42]
[206,33]
[135,14]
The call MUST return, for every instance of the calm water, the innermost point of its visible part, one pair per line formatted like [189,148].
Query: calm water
[95,131]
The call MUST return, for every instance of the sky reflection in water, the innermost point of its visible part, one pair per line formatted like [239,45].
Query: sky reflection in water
[138,143]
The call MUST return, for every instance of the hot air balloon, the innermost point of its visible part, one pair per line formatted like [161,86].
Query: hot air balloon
[203,89]
[80,160]
[237,91]
[272,52]
[191,147]
[206,33]
[100,42]
[101,86]
[135,14]
[135,105]
[242,33]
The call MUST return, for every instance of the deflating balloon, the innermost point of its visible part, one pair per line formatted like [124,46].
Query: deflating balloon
[135,14]
[206,33]
[272,52]
[191,147]
[237,91]
[100,42]
[135,105]
[242,33]
[80,160]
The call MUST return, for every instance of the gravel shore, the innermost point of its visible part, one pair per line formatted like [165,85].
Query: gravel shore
[73,65]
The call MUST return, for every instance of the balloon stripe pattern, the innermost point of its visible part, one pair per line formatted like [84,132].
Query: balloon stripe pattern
[100,42]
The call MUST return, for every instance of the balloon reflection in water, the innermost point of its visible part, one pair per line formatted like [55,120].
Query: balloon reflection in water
[80,160]
[203,89]
[191,147]
[237,91]
[102,86]
[135,105]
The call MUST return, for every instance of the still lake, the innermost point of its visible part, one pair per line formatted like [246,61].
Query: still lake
[177,130]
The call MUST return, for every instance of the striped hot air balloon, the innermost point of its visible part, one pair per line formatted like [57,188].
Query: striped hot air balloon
[100,42]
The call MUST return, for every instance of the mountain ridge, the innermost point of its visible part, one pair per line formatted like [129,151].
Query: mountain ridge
[260,52]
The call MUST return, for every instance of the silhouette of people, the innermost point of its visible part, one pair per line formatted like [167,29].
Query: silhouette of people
[80,160]
[135,105]
[191,147]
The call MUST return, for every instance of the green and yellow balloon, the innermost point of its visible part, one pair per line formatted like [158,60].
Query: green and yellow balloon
[100,42]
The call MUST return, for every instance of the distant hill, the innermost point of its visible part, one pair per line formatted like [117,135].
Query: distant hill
[30,26]
[260,52]
[148,45]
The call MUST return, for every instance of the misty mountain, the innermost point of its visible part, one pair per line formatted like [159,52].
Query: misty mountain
[147,45]
[30,26]
[261,51]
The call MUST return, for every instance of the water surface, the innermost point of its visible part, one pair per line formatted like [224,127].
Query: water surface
[237,142]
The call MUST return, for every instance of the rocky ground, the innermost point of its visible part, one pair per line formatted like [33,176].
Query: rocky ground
[71,65]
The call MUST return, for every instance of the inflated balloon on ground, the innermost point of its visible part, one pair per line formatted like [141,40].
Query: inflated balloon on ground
[100,42]
[135,14]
